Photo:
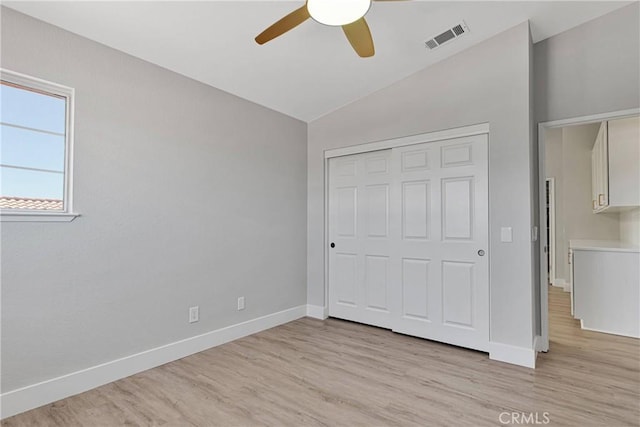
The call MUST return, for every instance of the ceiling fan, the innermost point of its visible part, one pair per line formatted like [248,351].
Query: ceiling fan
[348,14]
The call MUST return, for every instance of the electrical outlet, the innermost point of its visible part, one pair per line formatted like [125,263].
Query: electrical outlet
[240,303]
[194,314]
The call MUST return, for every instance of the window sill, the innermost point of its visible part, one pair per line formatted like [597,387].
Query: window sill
[37,216]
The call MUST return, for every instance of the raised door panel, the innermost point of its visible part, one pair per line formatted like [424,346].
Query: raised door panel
[415,160]
[457,293]
[377,282]
[416,198]
[345,167]
[377,210]
[346,200]
[457,208]
[377,164]
[456,155]
[345,277]
[415,289]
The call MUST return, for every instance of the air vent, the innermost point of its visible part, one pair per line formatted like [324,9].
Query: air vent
[431,44]
[444,37]
[458,30]
[447,36]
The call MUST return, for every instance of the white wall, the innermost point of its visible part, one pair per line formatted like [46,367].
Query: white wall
[188,195]
[569,162]
[488,83]
[630,227]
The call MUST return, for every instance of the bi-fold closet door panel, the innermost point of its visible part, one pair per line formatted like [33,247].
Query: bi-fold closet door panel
[410,227]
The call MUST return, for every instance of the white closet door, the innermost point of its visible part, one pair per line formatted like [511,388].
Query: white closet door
[410,229]
[359,264]
[440,229]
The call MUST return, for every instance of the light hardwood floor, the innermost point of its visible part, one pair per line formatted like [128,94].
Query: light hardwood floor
[310,372]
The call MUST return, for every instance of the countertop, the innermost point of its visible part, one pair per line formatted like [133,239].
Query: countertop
[602,245]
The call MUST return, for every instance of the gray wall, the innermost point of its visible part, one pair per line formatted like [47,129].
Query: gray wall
[592,68]
[535,201]
[188,195]
[488,83]
[568,160]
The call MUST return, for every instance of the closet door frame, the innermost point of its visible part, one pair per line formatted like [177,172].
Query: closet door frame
[472,130]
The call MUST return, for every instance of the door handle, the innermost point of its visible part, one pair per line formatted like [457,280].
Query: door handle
[481,252]
[333,245]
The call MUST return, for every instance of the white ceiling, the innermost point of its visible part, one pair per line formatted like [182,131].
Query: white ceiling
[311,70]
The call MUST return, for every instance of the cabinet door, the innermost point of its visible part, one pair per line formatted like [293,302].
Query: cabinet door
[624,167]
[599,172]
[603,195]
[595,180]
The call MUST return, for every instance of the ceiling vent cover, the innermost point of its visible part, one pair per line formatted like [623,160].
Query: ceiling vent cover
[445,37]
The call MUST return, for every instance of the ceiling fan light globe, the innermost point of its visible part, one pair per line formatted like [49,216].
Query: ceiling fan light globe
[337,12]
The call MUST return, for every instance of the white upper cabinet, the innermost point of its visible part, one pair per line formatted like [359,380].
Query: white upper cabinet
[615,161]
[599,171]
[624,162]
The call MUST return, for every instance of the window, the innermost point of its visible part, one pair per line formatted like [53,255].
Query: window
[35,149]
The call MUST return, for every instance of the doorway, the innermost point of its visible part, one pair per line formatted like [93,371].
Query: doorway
[550,250]
[551,267]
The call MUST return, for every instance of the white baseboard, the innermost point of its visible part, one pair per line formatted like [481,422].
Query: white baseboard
[604,331]
[317,312]
[33,396]
[539,345]
[512,354]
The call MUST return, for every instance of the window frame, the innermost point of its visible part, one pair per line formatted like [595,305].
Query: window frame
[33,215]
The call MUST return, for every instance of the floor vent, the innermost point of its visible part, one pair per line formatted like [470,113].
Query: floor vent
[447,36]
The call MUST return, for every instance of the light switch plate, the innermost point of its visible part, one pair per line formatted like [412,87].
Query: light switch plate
[194,314]
[506,234]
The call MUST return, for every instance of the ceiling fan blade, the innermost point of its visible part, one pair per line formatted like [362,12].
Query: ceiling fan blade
[359,36]
[285,24]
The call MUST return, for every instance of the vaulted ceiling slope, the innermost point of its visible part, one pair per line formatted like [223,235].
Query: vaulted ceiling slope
[312,70]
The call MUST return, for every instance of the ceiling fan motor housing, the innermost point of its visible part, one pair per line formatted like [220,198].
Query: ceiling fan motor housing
[337,12]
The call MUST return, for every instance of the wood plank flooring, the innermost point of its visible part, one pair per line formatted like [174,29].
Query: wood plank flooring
[337,373]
